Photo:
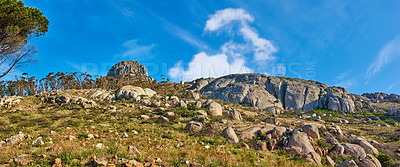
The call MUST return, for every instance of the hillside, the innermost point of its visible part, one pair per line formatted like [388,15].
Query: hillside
[235,120]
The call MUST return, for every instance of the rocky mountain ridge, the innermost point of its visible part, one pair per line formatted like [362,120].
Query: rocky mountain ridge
[275,93]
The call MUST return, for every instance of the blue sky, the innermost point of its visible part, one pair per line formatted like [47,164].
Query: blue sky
[353,44]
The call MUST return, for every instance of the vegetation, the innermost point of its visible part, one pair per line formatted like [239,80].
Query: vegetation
[18,25]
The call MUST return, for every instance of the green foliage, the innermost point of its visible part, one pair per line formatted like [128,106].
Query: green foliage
[385,159]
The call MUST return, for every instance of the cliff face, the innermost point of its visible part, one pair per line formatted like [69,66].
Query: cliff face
[129,68]
[265,92]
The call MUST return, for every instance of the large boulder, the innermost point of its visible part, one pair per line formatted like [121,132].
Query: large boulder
[311,131]
[354,150]
[235,114]
[215,109]
[133,92]
[129,69]
[265,92]
[300,140]
[351,163]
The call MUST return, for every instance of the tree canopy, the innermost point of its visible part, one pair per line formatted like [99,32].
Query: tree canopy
[18,24]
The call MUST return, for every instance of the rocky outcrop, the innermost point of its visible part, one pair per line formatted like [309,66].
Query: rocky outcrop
[264,92]
[129,69]
[134,92]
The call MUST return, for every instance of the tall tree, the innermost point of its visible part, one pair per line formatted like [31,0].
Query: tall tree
[18,24]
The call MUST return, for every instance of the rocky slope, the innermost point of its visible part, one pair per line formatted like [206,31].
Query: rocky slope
[129,68]
[275,93]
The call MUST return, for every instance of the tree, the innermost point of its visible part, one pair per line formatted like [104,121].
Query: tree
[18,24]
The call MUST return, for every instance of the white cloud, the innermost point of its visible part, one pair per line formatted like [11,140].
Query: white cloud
[135,51]
[204,65]
[390,51]
[230,59]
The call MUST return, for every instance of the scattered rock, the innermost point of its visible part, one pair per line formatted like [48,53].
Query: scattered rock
[16,138]
[100,146]
[230,135]
[354,150]
[23,159]
[234,114]
[133,92]
[194,127]
[215,109]
[250,133]
[348,164]
[368,148]
[329,161]
[277,132]
[311,131]
[201,112]
[129,69]
[133,150]
[38,141]
[272,120]
[162,120]
[144,117]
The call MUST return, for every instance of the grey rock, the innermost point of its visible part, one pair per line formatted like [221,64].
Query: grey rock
[201,112]
[162,120]
[272,120]
[38,141]
[215,109]
[230,135]
[277,132]
[368,148]
[16,138]
[311,131]
[348,164]
[129,68]
[329,161]
[194,127]
[354,150]
[101,95]
[234,114]
[300,140]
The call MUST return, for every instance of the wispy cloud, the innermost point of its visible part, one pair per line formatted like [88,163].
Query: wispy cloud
[346,80]
[390,51]
[230,59]
[133,50]
[184,35]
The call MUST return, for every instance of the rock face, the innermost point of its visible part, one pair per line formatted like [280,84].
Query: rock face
[134,92]
[129,68]
[265,92]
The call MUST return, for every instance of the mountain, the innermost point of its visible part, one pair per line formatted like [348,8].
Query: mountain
[129,68]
